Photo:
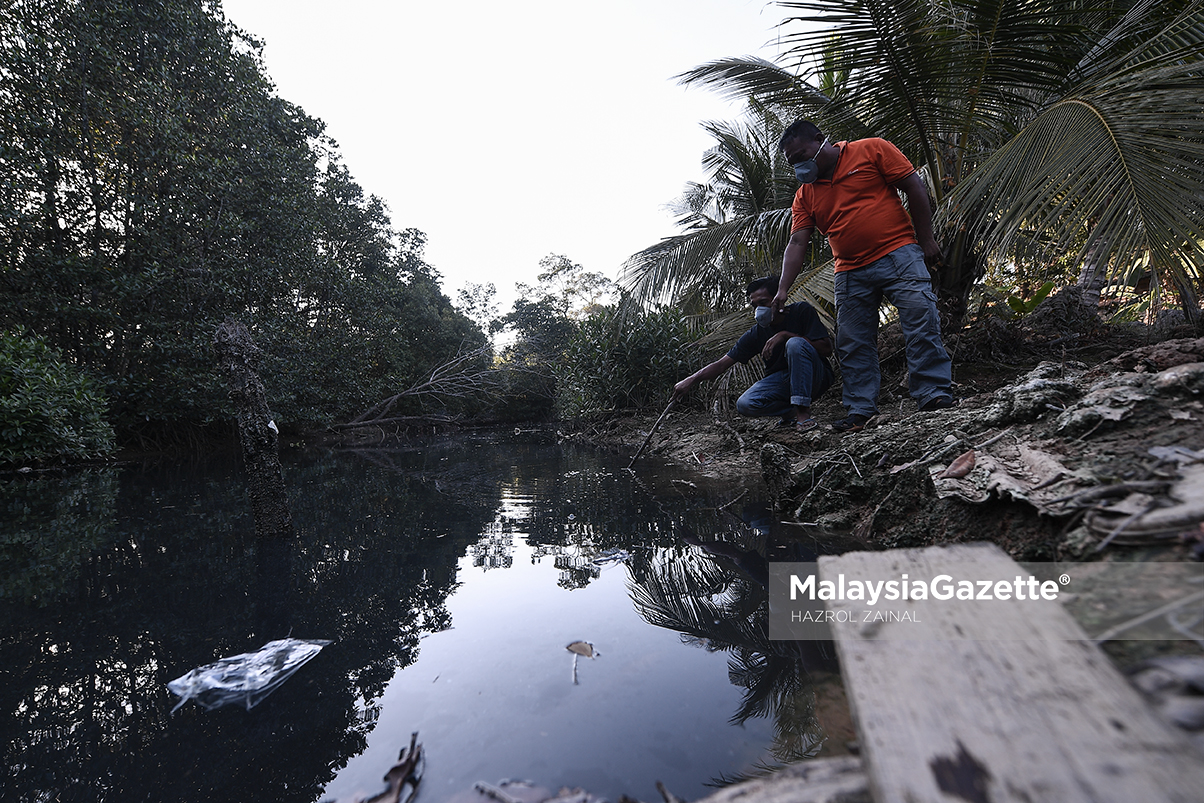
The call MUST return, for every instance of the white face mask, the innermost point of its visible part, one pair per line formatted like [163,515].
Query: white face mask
[764,315]
[807,172]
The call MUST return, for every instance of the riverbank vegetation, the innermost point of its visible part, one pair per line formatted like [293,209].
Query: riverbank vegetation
[156,185]
[48,408]
[1059,142]
[580,348]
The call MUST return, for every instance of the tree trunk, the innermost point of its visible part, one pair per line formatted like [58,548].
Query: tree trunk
[1190,303]
[1093,275]
[238,356]
[954,279]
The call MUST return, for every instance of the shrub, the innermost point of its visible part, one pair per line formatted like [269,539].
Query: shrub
[618,360]
[49,410]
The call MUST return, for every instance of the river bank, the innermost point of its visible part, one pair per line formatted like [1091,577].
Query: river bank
[1072,441]
[1067,430]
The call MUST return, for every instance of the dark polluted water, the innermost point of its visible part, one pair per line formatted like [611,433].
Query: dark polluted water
[450,578]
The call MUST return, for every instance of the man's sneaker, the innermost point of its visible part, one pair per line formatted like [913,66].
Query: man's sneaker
[854,423]
[937,403]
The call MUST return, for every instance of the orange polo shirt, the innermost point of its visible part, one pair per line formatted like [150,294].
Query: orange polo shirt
[857,208]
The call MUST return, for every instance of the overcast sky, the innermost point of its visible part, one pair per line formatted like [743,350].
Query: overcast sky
[507,131]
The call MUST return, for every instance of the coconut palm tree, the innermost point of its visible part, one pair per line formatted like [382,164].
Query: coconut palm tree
[1112,168]
[734,226]
[1058,126]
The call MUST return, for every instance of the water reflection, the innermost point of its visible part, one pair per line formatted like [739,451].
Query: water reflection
[179,581]
[52,523]
[716,596]
[115,581]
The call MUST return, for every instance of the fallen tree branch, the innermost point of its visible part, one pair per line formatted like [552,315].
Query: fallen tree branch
[406,772]
[1117,489]
[459,377]
[1120,528]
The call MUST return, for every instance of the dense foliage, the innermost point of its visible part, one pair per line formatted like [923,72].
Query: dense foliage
[1046,131]
[619,359]
[155,185]
[539,325]
[48,409]
[572,352]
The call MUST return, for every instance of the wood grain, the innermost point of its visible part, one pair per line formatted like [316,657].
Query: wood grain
[1016,705]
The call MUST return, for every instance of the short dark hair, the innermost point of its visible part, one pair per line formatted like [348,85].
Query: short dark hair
[771,282]
[799,129]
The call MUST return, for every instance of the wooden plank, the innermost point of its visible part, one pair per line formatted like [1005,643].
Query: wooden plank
[1015,705]
[822,780]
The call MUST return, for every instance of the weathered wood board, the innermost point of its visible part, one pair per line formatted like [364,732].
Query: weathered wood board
[1016,706]
[820,780]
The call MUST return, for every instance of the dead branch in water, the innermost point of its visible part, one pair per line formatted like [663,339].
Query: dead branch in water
[459,377]
[407,769]
[401,419]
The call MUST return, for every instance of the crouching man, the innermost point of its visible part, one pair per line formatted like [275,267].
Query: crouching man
[795,346]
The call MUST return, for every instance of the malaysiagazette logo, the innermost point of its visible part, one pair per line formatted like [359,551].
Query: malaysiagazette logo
[942,587]
[932,595]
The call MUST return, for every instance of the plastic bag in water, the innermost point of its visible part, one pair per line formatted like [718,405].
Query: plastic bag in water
[246,678]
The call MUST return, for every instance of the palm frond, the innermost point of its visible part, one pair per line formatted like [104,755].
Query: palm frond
[755,79]
[735,226]
[816,286]
[749,76]
[1114,168]
[696,597]
[709,266]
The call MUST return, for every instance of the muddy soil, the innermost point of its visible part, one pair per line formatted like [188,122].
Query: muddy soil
[1081,434]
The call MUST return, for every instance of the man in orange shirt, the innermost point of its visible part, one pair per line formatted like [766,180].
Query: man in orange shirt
[850,192]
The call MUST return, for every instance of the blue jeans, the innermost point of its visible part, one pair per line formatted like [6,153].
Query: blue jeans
[903,279]
[806,376]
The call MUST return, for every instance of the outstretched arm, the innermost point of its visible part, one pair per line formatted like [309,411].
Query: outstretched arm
[792,263]
[717,368]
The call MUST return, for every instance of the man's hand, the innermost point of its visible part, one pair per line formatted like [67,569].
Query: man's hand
[933,257]
[779,301]
[771,345]
[683,387]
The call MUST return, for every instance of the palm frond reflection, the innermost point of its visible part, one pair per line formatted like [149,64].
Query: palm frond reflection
[724,608]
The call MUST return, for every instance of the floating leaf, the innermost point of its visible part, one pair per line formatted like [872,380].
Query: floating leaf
[583,648]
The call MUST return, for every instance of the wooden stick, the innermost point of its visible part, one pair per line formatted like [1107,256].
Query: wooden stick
[651,432]
[1120,528]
